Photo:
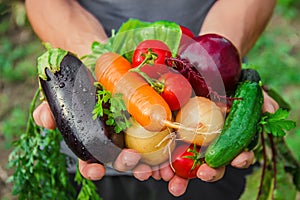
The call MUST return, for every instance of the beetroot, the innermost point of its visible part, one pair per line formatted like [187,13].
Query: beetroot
[211,63]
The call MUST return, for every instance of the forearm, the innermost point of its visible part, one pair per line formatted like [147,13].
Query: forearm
[242,22]
[64,24]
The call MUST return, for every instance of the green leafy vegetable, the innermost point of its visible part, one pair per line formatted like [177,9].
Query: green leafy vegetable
[50,59]
[277,123]
[134,31]
[130,34]
[97,50]
[279,173]
[113,107]
[40,168]
[103,97]
[88,190]
[119,114]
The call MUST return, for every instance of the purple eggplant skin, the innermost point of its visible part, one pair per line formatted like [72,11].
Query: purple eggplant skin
[71,95]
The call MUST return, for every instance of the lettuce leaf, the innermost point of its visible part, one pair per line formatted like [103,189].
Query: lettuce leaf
[130,34]
[134,31]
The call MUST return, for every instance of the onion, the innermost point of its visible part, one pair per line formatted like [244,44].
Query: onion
[154,147]
[200,121]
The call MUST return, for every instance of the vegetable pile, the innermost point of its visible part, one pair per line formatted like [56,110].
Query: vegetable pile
[164,92]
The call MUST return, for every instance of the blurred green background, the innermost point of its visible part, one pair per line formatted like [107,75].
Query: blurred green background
[276,56]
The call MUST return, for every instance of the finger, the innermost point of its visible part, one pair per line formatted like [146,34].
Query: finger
[127,160]
[243,160]
[142,172]
[178,185]
[166,172]
[43,116]
[91,171]
[156,173]
[270,105]
[209,174]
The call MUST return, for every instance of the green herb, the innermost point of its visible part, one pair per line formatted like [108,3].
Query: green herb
[118,117]
[88,189]
[113,107]
[277,123]
[103,97]
[97,50]
[39,167]
[279,170]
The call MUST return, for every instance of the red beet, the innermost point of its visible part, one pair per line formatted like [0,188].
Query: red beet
[211,63]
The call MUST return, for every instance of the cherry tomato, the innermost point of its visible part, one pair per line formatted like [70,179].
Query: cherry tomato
[186,160]
[176,90]
[156,70]
[187,32]
[186,36]
[156,52]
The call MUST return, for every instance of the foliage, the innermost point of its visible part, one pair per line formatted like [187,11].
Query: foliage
[279,171]
[88,191]
[13,64]
[276,56]
[16,43]
[288,8]
[40,169]
[13,125]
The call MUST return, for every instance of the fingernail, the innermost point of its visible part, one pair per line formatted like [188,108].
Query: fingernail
[44,119]
[207,176]
[240,163]
[130,160]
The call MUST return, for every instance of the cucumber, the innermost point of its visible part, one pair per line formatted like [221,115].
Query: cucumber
[241,123]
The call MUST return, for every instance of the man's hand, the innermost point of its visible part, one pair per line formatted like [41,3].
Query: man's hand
[178,185]
[129,159]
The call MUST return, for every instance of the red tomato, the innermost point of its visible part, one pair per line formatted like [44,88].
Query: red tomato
[156,70]
[186,160]
[156,51]
[187,32]
[186,36]
[176,91]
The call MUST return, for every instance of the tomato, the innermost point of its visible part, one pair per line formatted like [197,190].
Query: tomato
[186,160]
[176,89]
[156,52]
[156,70]
[186,32]
[186,36]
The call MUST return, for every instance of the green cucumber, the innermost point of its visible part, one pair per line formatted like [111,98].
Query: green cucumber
[241,123]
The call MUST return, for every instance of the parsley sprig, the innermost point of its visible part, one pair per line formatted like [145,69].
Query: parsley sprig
[40,169]
[277,123]
[279,170]
[88,188]
[112,107]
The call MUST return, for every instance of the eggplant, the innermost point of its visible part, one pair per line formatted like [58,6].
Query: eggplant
[71,94]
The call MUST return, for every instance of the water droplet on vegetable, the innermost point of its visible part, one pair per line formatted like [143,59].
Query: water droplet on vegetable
[61,84]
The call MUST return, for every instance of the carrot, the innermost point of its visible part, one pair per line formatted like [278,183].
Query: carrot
[147,107]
